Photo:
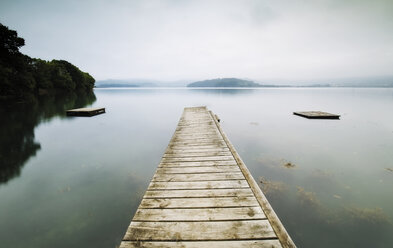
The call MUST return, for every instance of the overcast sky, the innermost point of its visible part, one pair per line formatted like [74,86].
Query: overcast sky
[193,40]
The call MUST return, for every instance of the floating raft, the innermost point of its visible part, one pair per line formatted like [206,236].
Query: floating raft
[202,195]
[317,115]
[85,111]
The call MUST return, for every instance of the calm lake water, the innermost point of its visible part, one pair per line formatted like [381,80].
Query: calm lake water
[76,182]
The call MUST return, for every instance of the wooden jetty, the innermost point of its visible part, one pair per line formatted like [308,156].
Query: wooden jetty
[85,111]
[316,115]
[202,195]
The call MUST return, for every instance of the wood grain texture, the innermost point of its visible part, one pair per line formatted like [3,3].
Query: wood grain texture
[196,149]
[197,163]
[197,177]
[202,214]
[198,193]
[232,184]
[186,154]
[203,244]
[216,202]
[207,158]
[209,230]
[198,169]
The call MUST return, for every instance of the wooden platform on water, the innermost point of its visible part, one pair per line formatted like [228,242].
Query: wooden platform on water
[316,115]
[202,195]
[85,111]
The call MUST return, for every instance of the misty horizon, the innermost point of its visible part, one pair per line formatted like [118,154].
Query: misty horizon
[355,81]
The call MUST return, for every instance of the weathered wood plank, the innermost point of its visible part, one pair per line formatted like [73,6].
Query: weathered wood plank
[199,122]
[213,138]
[197,137]
[175,150]
[232,184]
[185,159]
[211,230]
[197,146]
[196,131]
[193,133]
[193,143]
[197,193]
[199,169]
[197,163]
[202,214]
[203,244]
[197,140]
[209,202]
[197,177]
[194,119]
[196,124]
[196,154]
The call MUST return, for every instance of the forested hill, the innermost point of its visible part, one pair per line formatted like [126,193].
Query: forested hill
[224,82]
[22,77]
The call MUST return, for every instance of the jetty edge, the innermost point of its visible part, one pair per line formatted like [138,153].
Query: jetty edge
[203,195]
[317,115]
[85,112]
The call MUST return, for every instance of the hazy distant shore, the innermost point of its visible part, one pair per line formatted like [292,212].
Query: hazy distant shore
[378,82]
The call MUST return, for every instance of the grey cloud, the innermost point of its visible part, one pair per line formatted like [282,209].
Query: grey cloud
[171,40]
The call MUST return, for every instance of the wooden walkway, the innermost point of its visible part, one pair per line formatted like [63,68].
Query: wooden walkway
[202,195]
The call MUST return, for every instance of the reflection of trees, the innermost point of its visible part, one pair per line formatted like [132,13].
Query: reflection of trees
[17,143]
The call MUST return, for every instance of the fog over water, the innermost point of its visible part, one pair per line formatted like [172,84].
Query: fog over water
[273,41]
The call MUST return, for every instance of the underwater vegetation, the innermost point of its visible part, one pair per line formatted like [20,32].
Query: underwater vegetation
[362,226]
[276,163]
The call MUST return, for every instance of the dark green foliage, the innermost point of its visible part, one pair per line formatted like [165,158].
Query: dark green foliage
[22,77]
[10,42]
[224,82]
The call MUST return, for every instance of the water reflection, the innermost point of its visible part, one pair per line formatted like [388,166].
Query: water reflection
[17,141]
[84,185]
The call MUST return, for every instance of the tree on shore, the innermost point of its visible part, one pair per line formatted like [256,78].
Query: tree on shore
[22,76]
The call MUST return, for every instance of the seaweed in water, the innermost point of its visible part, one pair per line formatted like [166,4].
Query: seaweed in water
[275,162]
[289,165]
[307,198]
[337,196]
[272,187]
[372,216]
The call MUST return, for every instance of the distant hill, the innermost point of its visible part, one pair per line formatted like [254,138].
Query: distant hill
[224,82]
